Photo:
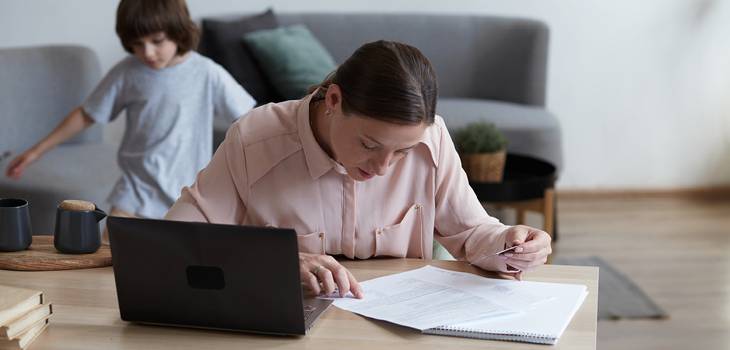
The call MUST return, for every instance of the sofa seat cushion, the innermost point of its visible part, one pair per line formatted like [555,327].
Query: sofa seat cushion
[79,171]
[529,130]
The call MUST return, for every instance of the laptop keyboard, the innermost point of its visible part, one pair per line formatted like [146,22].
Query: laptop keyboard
[309,312]
[313,308]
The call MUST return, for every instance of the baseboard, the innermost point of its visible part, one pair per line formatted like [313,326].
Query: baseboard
[720,192]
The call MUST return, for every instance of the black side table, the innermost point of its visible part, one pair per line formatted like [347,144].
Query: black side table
[528,185]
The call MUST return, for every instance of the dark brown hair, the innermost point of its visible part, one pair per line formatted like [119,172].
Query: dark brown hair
[139,18]
[386,80]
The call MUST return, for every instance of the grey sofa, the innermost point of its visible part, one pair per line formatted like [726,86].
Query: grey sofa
[489,68]
[38,87]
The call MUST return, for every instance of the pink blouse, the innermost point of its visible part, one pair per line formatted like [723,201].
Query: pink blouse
[270,171]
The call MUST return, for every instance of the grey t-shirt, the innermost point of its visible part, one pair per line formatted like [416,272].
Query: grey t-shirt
[168,136]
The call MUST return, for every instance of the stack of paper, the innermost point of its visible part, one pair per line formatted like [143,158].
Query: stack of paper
[23,316]
[443,302]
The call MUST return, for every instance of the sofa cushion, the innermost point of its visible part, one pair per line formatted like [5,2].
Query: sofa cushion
[221,41]
[292,58]
[80,171]
[475,56]
[529,130]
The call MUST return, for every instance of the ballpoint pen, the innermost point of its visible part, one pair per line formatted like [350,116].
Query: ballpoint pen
[503,251]
[485,256]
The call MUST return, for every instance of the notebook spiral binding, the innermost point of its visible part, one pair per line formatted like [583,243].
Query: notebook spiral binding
[493,335]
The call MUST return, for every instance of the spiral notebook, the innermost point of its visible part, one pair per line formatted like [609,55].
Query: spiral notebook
[542,324]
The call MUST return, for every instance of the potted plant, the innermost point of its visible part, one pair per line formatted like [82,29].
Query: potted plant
[483,151]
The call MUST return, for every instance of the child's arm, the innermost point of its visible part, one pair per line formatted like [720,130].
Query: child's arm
[75,122]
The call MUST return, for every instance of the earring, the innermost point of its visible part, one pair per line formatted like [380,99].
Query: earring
[328,112]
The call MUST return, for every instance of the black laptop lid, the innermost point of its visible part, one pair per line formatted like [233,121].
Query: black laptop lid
[207,275]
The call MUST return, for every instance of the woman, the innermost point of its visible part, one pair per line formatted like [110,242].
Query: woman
[361,167]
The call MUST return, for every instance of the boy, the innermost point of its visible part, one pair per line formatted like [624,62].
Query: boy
[170,94]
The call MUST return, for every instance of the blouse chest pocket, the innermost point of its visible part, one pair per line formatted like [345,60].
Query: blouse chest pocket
[396,240]
[312,242]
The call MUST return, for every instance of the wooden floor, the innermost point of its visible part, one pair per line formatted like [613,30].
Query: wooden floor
[676,249]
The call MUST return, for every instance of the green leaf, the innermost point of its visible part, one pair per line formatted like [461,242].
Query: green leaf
[479,137]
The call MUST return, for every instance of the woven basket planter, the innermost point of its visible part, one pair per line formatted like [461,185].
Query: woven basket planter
[484,167]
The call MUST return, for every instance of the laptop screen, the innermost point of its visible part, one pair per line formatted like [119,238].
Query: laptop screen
[207,275]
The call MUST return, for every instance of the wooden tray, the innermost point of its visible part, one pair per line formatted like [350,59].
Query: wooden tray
[43,256]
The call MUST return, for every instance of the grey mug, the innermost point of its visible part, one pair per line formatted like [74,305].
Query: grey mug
[15,230]
[77,231]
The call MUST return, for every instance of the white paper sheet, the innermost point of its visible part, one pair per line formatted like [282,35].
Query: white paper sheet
[429,297]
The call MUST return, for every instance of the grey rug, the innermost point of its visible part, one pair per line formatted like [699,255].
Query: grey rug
[618,296]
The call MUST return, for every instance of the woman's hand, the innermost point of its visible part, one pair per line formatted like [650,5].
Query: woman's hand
[316,269]
[18,165]
[532,251]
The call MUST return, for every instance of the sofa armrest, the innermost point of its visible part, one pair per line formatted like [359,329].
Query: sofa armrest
[39,86]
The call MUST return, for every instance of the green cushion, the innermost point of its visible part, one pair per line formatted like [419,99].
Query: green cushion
[292,58]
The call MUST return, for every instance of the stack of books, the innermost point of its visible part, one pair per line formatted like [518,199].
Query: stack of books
[23,316]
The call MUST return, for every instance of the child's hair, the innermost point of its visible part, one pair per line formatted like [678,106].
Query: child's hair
[139,18]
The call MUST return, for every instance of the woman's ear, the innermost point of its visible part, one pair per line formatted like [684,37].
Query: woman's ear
[333,98]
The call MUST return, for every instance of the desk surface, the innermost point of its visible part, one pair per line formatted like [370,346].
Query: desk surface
[87,316]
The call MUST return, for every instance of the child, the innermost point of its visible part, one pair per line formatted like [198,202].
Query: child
[170,94]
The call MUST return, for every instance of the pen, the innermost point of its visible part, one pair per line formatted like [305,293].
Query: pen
[510,269]
[503,251]
[486,256]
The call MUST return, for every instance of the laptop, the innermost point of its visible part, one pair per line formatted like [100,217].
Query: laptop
[214,276]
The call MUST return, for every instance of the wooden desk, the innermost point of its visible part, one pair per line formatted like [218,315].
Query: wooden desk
[87,316]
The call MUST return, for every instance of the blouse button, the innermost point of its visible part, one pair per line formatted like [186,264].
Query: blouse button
[321,235]
[418,206]
[379,231]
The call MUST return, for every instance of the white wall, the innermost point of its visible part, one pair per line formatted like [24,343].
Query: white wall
[642,88]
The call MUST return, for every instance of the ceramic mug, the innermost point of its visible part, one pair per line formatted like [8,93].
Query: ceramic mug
[15,231]
[77,231]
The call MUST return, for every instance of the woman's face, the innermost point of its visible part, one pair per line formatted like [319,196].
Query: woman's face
[367,146]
